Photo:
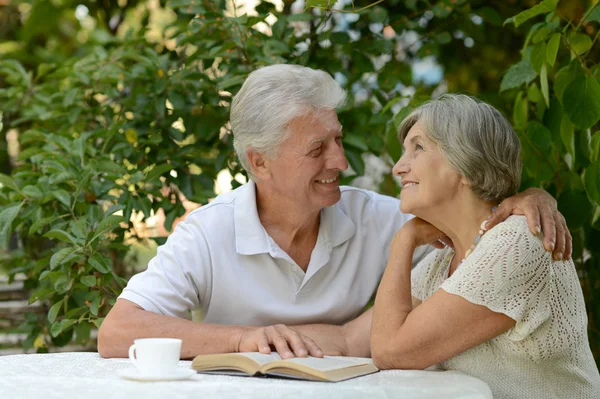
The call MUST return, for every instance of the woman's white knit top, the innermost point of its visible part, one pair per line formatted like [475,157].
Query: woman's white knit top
[547,353]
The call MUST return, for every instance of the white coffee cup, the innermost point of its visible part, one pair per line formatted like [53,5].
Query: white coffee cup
[155,356]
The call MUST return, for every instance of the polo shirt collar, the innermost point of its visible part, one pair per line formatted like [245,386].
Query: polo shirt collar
[251,237]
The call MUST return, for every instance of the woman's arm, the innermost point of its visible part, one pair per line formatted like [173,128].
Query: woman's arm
[440,327]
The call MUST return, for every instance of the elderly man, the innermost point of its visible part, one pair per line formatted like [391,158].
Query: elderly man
[289,260]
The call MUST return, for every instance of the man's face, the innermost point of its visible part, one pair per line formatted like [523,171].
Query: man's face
[310,160]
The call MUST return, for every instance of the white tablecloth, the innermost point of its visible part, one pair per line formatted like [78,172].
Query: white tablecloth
[88,376]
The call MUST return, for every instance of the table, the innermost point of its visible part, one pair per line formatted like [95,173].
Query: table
[85,375]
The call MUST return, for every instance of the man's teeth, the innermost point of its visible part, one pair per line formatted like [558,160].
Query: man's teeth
[327,180]
[409,184]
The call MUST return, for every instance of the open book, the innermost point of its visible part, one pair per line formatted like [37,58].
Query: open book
[329,368]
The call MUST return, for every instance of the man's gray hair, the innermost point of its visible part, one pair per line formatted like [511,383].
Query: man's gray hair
[270,98]
[476,139]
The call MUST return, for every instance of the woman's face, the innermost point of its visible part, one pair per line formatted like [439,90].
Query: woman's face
[429,182]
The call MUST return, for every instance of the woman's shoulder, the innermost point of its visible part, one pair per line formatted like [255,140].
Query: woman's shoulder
[514,231]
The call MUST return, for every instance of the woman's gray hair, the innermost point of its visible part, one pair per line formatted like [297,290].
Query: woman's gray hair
[270,98]
[476,139]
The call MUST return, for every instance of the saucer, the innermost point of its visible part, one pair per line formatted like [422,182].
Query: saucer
[135,375]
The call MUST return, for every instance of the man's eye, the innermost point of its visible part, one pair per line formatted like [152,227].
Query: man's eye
[316,152]
[338,140]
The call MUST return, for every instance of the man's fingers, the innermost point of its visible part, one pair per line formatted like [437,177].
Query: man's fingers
[569,242]
[280,342]
[296,342]
[502,212]
[313,348]
[262,344]
[533,214]
[559,249]
[548,228]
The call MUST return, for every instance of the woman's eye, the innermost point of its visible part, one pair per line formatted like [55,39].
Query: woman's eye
[418,147]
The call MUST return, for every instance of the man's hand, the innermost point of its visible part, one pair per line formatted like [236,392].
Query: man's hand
[542,215]
[287,341]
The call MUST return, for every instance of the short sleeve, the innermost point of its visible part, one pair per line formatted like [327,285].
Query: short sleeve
[509,272]
[178,278]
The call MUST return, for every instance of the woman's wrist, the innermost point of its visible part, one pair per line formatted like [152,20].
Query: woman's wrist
[404,245]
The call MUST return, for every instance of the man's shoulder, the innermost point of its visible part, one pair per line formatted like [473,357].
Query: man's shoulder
[218,208]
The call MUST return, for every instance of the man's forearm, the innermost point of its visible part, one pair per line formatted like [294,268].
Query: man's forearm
[127,322]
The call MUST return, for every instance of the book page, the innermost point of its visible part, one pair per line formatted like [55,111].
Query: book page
[329,363]
[261,358]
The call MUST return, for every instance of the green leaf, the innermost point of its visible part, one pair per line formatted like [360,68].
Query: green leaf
[580,43]
[575,207]
[552,48]
[378,14]
[356,162]
[7,216]
[592,181]
[98,263]
[63,197]
[544,84]
[581,102]
[53,312]
[41,294]
[89,281]
[541,8]
[540,136]
[59,257]
[534,94]
[443,38]
[32,192]
[318,3]
[356,141]
[8,182]
[595,14]
[38,224]
[230,82]
[564,77]
[82,333]
[61,326]
[61,235]
[303,16]
[538,56]
[567,135]
[274,48]
[517,74]
[595,147]
[158,170]
[521,111]
[114,208]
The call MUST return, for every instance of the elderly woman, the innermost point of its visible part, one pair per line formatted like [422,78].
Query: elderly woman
[494,304]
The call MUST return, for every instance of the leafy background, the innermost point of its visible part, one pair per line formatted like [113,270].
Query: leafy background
[115,120]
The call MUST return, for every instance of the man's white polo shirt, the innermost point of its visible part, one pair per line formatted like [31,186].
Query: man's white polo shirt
[222,260]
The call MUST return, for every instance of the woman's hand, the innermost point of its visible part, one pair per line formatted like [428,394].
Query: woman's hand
[417,232]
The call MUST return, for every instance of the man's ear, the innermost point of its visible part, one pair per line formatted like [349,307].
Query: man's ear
[259,164]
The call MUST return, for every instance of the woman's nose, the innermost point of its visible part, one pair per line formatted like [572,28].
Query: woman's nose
[401,167]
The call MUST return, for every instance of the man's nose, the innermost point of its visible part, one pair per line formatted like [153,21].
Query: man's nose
[337,159]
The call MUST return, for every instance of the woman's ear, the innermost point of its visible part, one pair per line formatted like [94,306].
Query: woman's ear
[259,164]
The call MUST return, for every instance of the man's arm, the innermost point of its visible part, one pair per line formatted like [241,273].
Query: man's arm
[127,321]
[542,214]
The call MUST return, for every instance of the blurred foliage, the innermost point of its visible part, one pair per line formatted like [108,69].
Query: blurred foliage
[122,110]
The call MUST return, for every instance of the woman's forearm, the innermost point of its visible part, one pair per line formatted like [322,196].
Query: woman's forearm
[392,304]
